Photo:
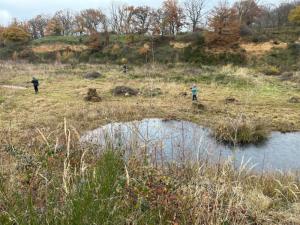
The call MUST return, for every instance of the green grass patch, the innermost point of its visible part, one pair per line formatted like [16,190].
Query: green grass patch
[215,78]
[71,40]
[1,100]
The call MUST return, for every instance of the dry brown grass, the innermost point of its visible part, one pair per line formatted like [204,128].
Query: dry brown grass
[259,49]
[63,89]
[35,125]
[58,47]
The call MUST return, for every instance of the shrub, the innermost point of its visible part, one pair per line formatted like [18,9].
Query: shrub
[28,54]
[67,57]
[195,38]
[15,35]
[245,30]
[294,49]
[84,56]
[270,70]
[259,38]
[129,39]
[14,56]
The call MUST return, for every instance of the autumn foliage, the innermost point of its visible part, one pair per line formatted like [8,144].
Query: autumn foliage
[15,34]
[294,15]
[54,27]
[173,16]
[224,26]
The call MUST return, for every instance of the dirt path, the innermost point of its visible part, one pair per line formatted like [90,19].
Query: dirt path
[13,87]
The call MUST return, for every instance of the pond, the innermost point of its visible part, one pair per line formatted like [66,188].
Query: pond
[181,141]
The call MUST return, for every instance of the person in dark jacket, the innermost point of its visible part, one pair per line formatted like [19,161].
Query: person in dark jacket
[125,68]
[35,83]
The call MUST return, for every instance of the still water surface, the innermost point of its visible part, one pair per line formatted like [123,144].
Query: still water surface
[181,141]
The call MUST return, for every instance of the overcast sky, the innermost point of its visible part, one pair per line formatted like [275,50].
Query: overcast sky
[26,9]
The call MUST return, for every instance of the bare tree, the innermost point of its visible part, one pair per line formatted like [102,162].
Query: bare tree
[194,12]
[121,18]
[114,18]
[141,19]
[273,15]
[66,20]
[248,11]
[38,25]
[157,25]
[93,19]
[282,12]
[79,24]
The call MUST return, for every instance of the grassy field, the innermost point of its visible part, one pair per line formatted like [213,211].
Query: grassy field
[63,89]
[47,178]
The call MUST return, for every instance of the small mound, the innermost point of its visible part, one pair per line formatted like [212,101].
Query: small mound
[125,91]
[92,75]
[198,107]
[294,100]
[231,100]
[92,96]
[286,76]
[183,94]
[152,92]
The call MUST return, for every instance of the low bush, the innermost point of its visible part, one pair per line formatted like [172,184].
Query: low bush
[270,70]
[259,38]
[284,59]
[200,56]
[196,38]
[245,31]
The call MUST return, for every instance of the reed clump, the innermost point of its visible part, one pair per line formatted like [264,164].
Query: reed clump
[241,132]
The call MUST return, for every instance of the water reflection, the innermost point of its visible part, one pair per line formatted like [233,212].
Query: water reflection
[181,141]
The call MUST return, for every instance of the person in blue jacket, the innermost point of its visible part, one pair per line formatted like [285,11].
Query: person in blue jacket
[194,92]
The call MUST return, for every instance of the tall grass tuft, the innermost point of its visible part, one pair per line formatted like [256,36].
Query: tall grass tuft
[241,132]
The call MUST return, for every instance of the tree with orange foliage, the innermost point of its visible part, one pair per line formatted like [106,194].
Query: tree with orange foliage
[15,35]
[54,27]
[224,25]
[173,16]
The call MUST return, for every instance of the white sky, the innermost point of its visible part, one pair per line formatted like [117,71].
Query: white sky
[26,9]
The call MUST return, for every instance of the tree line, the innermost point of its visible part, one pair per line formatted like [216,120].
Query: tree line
[225,22]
